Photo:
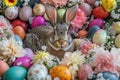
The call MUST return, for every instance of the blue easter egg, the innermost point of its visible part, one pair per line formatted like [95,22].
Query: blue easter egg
[18,40]
[92,31]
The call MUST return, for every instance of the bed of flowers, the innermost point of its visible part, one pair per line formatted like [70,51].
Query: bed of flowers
[96,37]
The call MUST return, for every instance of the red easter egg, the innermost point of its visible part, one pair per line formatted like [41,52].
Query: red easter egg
[18,30]
[82,34]
[19,23]
[3,67]
[99,12]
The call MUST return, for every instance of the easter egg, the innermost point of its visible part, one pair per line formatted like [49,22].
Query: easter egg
[37,72]
[15,73]
[38,21]
[18,40]
[3,67]
[117,41]
[11,12]
[23,61]
[92,31]
[97,21]
[61,72]
[99,12]
[39,9]
[104,76]
[29,53]
[61,13]
[25,13]
[19,23]
[82,34]
[86,8]
[18,30]
[100,37]
[116,27]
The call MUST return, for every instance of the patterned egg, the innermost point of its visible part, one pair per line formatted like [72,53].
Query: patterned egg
[37,72]
[39,10]
[29,53]
[15,73]
[117,41]
[100,37]
[116,27]
[25,13]
[97,21]
[38,21]
[18,22]
[61,72]
[23,61]
[11,12]
[3,67]
[99,12]
[104,76]
[18,40]
[82,34]
[18,30]
[92,31]
[86,8]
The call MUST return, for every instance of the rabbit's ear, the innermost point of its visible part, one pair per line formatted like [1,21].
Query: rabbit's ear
[51,13]
[71,13]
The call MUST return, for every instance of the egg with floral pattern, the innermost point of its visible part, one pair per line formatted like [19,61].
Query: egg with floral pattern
[61,72]
[37,72]
[11,12]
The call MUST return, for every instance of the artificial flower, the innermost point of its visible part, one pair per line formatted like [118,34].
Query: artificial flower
[108,5]
[73,61]
[10,50]
[43,57]
[84,72]
[56,3]
[9,3]
[79,20]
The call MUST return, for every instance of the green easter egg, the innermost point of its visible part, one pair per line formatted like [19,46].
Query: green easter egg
[61,13]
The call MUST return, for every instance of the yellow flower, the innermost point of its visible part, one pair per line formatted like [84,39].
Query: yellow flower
[9,3]
[108,5]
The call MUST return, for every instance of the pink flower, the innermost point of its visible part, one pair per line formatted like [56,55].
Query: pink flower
[79,20]
[56,3]
[104,62]
[84,72]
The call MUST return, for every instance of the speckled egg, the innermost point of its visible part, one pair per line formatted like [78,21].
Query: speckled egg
[92,31]
[100,37]
[82,34]
[11,12]
[15,73]
[38,21]
[3,67]
[23,61]
[18,40]
[117,41]
[97,21]
[39,10]
[37,72]
[29,53]
[116,27]
[61,72]
[25,13]
[104,76]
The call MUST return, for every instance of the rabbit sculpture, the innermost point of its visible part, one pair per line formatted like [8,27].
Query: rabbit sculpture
[56,37]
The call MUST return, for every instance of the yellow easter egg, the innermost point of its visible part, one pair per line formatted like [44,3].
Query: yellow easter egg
[116,27]
[117,41]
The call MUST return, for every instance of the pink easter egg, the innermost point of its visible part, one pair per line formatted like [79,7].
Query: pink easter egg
[38,21]
[23,61]
[30,53]
[99,22]
[25,13]
[86,8]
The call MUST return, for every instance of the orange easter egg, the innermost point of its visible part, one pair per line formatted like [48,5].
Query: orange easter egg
[3,67]
[82,34]
[18,30]
[61,72]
